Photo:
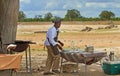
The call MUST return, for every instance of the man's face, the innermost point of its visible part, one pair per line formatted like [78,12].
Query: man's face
[58,24]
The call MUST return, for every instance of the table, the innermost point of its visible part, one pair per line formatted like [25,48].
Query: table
[82,57]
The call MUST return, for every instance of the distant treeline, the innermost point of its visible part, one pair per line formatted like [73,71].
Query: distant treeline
[81,19]
[71,15]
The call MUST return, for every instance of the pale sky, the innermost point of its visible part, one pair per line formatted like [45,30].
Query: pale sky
[87,8]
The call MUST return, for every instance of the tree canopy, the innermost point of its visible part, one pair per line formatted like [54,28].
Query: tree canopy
[106,15]
[21,16]
[48,16]
[72,14]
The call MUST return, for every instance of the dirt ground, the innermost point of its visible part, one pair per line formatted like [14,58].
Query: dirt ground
[72,36]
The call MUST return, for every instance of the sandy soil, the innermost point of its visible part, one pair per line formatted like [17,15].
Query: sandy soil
[71,35]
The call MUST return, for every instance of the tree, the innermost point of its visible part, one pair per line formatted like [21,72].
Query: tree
[72,15]
[56,18]
[8,22]
[38,17]
[21,16]
[48,16]
[106,15]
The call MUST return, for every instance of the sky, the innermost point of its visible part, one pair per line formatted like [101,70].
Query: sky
[87,8]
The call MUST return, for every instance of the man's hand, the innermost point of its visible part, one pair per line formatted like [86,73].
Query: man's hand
[59,47]
[62,44]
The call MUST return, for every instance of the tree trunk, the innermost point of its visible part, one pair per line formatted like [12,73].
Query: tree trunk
[8,22]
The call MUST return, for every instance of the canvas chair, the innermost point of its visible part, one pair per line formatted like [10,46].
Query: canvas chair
[7,72]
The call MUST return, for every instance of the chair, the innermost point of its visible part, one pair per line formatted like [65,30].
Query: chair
[10,63]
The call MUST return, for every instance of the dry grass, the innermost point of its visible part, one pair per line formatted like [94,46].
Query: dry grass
[72,32]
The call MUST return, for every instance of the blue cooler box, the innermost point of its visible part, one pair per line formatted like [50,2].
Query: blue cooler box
[111,68]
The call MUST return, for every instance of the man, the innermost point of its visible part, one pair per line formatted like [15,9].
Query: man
[52,43]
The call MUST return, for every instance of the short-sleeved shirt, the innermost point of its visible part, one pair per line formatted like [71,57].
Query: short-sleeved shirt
[51,34]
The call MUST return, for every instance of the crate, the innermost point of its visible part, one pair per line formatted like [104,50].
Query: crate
[111,68]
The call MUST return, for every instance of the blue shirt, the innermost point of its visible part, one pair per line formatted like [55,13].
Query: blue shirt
[51,34]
